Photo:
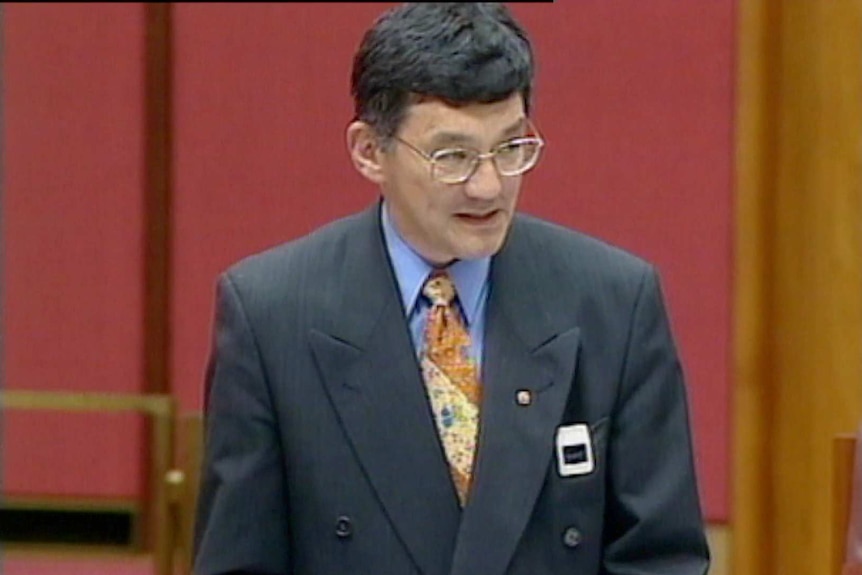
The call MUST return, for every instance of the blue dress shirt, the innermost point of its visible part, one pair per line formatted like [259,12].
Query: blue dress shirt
[469,276]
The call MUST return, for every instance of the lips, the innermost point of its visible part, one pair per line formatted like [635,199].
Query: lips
[479,218]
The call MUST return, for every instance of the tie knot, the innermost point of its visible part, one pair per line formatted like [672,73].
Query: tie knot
[439,288]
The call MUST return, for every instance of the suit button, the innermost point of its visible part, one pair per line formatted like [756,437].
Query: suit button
[343,527]
[571,537]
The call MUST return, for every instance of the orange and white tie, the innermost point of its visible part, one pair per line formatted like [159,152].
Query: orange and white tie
[452,381]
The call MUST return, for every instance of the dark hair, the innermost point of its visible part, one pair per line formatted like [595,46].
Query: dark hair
[456,51]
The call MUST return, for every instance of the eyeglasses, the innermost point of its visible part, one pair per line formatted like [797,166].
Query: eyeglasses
[457,165]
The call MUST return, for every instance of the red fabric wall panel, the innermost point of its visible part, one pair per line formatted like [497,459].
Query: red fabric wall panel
[72,232]
[634,98]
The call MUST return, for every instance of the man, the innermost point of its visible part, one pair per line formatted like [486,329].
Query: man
[440,385]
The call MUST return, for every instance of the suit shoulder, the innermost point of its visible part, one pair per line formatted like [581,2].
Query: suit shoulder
[302,254]
[569,249]
[290,273]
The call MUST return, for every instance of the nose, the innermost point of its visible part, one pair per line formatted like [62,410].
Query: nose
[485,183]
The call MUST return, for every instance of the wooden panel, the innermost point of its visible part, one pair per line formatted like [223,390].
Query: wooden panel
[157,197]
[817,314]
[757,84]
[799,321]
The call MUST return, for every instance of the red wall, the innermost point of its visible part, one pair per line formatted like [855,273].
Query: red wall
[72,229]
[633,97]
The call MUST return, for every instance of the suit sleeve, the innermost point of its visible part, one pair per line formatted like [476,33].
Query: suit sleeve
[241,522]
[653,521]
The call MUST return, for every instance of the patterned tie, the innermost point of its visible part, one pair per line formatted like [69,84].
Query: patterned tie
[451,379]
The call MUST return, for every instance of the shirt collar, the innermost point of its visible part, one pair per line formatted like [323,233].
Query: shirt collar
[411,270]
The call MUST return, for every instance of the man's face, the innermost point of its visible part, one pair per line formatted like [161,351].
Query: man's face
[444,222]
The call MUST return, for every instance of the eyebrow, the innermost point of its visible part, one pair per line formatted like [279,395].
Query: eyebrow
[458,138]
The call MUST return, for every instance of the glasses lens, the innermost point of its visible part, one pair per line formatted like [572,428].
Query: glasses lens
[456,165]
[518,156]
[453,166]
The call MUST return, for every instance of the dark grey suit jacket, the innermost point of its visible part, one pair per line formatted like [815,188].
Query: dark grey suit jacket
[321,453]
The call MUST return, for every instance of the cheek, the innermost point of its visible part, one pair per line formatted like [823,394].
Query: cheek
[437,202]
[410,193]
[511,194]
[512,188]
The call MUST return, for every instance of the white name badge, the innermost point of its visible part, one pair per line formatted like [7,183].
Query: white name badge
[574,450]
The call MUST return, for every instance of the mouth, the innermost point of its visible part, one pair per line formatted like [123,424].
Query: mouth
[479,218]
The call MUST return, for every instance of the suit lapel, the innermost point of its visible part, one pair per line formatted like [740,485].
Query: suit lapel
[368,364]
[526,348]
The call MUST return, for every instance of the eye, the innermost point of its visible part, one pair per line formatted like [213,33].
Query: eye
[512,148]
[453,157]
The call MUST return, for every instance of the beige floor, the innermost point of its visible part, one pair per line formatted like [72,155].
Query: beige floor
[719,546]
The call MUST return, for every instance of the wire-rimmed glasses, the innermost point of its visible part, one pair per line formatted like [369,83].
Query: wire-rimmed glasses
[457,165]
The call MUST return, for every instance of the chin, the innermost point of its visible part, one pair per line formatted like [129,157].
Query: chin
[487,249]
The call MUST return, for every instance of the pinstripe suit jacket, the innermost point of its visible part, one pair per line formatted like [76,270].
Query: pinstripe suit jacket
[321,453]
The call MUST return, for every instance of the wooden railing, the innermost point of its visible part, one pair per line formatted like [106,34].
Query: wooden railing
[158,525]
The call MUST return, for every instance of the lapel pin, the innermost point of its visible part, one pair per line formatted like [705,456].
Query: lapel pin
[523,397]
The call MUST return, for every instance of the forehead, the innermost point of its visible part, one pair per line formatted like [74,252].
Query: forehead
[436,120]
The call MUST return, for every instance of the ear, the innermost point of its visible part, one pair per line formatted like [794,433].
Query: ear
[364,148]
